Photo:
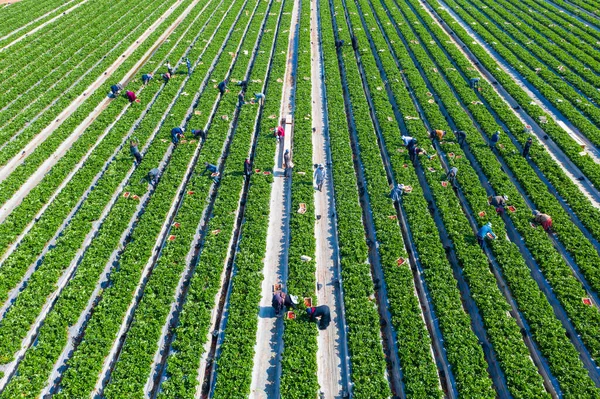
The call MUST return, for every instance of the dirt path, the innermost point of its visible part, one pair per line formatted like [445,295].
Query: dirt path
[331,369]
[267,364]
[35,178]
[8,1]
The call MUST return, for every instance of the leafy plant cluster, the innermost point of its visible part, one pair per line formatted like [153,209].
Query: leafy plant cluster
[299,360]
[136,262]
[556,270]
[39,360]
[530,299]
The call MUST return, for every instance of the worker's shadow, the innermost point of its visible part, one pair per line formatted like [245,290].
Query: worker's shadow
[275,333]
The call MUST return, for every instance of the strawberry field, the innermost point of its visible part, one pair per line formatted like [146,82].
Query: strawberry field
[136,262]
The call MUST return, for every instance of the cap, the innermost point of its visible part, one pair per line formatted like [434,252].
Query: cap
[294,299]
[321,165]
[286,151]
[489,224]
[505,197]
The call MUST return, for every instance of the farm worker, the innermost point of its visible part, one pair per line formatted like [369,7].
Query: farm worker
[527,147]
[354,43]
[339,43]
[396,193]
[247,167]
[169,68]
[166,77]
[451,175]
[498,200]
[483,232]
[281,300]
[199,134]
[115,89]
[152,176]
[241,99]
[222,86]
[147,77]
[543,219]
[287,163]
[409,142]
[243,84]
[176,135]
[439,133]
[319,176]
[133,148]
[209,167]
[279,133]
[260,98]
[474,83]
[322,312]
[188,64]
[415,151]
[131,96]
[495,138]
[460,136]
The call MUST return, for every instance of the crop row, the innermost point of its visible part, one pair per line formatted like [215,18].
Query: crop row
[105,321]
[130,373]
[74,297]
[414,343]
[469,370]
[299,360]
[237,349]
[575,242]
[367,360]
[528,296]
[31,93]
[550,11]
[51,266]
[563,32]
[561,183]
[193,326]
[544,80]
[542,42]
[59,207]
[37,110]
[512,353]
[45,149]
[17,15]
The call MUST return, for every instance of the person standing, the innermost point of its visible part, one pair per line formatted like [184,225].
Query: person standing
[133,148]
[319,176]
[241,99]
[166,77]
[527,147]
[169,67]
[280,133]
[321,312]
[287,163]
[247,168]
[188,64]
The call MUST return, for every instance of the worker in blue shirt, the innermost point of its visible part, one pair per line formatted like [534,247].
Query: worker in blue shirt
[483,232]
[495,139]
[147,77]
[176,135]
